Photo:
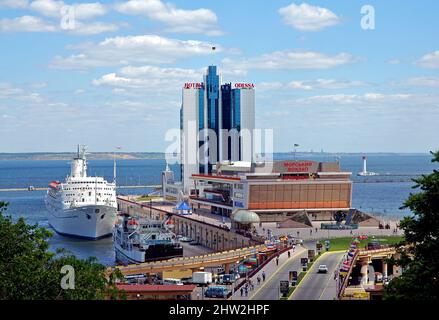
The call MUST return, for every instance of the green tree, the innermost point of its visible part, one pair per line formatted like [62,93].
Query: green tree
[28,270]
[420,248]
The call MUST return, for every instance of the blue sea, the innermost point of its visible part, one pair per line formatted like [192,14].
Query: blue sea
[383,194]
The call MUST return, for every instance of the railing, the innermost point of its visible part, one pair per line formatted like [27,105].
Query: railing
[346,278]
[258,268]
[387,249]
[191,261]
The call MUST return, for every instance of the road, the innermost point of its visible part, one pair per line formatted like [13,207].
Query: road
[269,290]
[319,286]
[190,251]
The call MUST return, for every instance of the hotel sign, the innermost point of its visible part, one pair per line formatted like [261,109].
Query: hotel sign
[244,85]
[300,166]
[194,85]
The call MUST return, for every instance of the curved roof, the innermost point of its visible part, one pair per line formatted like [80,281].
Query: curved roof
[245,216]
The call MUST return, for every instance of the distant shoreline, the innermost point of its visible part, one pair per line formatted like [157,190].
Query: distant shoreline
[45,156]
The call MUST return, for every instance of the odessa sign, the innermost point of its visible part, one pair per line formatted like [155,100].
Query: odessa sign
[244,85]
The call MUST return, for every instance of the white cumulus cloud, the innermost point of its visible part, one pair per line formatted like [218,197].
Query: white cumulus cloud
[82,11]
[178,20]
[26,24]
[142,49]
[290,60]
[305,17]
[14,4]
[430,60]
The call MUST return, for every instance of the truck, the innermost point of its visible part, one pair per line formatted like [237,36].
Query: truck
[202,277]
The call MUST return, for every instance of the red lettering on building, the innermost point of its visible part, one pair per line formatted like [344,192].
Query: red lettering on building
[244,85]
[298,166]
[193,85]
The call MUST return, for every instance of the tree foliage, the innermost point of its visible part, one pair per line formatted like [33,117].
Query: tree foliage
[28,270]
[420,249]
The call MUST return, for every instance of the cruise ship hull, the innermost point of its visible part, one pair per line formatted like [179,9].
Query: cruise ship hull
[90,222]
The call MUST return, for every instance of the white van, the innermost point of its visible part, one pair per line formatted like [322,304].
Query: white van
[172,281]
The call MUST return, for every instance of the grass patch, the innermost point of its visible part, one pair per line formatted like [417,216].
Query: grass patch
[147,198]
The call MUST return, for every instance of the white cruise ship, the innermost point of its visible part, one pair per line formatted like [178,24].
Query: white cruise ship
[82,206]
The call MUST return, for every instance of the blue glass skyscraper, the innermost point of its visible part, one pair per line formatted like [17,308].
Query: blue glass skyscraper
[219,108]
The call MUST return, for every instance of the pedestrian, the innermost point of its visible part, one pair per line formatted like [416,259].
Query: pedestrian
[259,280]
[289,253]
[316,230]
[310,232]
[277,260]
[263,276]
[294,247]
[242,291]
[246,291]
[298,233]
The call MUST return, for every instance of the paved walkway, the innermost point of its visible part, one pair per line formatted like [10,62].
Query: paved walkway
[269,290]
[312,234]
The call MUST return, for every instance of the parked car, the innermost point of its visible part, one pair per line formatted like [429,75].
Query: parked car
[227,278]
[194,243]
[171,281]
[186,280]
[185,239]
[216,292]
[322,268]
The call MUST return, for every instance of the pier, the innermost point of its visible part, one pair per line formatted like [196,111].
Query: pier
[152,186]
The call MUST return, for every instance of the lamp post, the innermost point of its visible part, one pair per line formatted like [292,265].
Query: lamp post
[295,146]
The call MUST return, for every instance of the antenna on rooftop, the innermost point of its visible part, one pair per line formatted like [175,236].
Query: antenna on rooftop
[213,52]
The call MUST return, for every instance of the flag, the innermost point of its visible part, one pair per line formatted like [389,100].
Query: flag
[296,145]
[213,48]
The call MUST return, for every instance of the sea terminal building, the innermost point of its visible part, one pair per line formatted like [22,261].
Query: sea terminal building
[274,190]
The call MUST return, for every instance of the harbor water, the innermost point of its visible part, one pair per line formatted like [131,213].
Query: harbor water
[383,194]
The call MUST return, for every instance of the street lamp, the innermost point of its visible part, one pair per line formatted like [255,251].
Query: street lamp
[295,146]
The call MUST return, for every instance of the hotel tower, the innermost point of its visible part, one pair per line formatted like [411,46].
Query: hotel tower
[217,122]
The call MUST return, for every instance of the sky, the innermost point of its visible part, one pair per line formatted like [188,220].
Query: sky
[338,76]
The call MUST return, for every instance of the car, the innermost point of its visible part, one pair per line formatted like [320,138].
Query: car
[185,239]
[322,268]
[194,243]
[216,292]
[227,278]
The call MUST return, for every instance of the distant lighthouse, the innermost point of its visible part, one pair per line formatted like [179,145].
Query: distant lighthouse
[364,172]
